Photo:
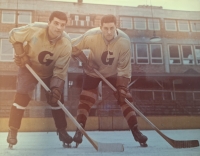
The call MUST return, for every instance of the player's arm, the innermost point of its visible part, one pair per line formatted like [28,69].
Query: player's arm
[78,45]
[59,75]
[123,73]
[17,37]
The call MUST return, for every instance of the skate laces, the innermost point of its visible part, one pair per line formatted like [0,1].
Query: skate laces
[137,133]
[78,132]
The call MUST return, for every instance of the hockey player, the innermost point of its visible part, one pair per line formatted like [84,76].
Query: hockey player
[110,54]
[47,49]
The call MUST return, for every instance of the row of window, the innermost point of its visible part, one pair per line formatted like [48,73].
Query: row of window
[22,17]
[25,17]
[141,53]
[154,24]
[178,54]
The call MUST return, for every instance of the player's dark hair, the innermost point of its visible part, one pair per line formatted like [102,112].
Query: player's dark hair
[58,14]
[108,19]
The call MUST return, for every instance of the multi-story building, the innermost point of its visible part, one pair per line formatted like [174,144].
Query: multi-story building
[165,71]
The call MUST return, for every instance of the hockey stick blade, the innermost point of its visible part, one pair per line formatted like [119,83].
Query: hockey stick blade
[185,144]
[101,147]
[173,143]
[178,143]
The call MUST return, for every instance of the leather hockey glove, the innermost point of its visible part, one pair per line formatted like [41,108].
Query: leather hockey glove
[122,89]
[53,97]
[89,66]
[56,86]
[21,59]
[120,94]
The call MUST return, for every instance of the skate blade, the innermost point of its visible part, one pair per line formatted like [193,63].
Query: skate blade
[76,145]
[66,145]
[143,145]
[10,146]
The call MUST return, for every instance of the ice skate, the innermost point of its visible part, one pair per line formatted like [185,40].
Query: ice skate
[65,138]
[139,137]
[78,137]
[12,138]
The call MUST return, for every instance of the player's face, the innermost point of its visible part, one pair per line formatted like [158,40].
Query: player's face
[108,30]
[56,27]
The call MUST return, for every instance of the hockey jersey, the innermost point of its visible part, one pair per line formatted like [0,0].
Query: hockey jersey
[112,57]
[47,58]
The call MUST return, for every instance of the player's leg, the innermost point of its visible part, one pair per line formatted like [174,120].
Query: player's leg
[130,116]
[25,85]
[131,119]
[87,99]
[60,120]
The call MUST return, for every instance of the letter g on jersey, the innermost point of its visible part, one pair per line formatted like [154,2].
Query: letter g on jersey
[106,58]
[43,58]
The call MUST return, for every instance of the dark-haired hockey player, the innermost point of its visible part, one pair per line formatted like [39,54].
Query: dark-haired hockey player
[110,54]
[47,48]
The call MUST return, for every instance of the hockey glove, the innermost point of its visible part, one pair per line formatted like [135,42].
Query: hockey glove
[90,66]
[53,97]
[22,61]
[120,94]
[122,89]
[56,86]
[87,65]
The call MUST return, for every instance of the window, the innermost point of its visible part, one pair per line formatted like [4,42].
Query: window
[174,54]
[24,17]
[132,53]
[156,54]
[187,54]
[153,24]
[142,54]
[197,53]
[183,26]
[126,22]
[6,50]
[76,17]
[195,26]
[140,23]
[170,25]
[87,18]
[8,17]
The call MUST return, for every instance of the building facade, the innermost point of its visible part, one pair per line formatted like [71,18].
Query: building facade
[163,72]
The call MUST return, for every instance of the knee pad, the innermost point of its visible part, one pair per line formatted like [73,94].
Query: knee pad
[21,99]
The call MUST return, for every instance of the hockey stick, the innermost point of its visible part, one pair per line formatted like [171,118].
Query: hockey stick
[102,147]
[173,143]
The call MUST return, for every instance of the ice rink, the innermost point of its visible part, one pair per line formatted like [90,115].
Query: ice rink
[48,144]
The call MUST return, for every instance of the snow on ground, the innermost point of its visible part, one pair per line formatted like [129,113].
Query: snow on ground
[48,144]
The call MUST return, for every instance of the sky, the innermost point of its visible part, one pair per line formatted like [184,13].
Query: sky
[48,144]
[188,5]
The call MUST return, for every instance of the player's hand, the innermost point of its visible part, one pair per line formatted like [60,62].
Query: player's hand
[121,93]
[22,61]
[53,97]
[90,66]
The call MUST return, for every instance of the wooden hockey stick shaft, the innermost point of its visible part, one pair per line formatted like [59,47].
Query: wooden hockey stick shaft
[173,143]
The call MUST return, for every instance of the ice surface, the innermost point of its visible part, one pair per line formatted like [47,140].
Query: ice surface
[48,144]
